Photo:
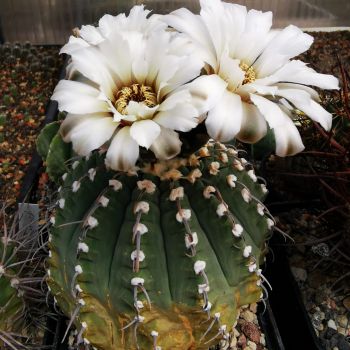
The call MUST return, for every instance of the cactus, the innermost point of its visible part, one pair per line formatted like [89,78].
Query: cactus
[22,300]
[160,258]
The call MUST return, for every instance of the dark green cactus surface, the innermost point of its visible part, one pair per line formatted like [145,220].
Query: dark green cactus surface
[161,258]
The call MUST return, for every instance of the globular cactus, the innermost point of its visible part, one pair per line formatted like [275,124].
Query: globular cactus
[160,258]
[23,308]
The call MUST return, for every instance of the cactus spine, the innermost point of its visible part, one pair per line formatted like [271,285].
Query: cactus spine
[160,258]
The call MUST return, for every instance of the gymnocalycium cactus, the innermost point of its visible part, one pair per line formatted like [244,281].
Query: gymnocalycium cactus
[153,246]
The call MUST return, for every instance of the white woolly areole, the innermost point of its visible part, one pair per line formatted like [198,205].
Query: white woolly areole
[252,175]
[154,334]
[204,152]
[52,220]
[92,222]
[194,175]
[83,247]
[208,191]
[50,237]
[86,341]
[247,251]
[103,201]
[270,223]
[64,176]
[203,288]
[92,174]
[231,180]
[47,271]
[84,325]
[238,165]
[214,168]
[264,188]
[2,270]
[244,161]
[61,203]
[14,282]
[146,185]
[59,189]
[191,240]
[75,164]
[232,152]
[222,146]
[223,328]
[117,185]
[142,207]
[177,193]
[252,267]
[140,318]
[221,209]
[136,281]
[141,228]
[217,315]
[75,186]
[78,269]
[139,304]
[199,266]
[237,230]
[81,302]
[78,288]
[183,214]
[224,157]
[260,209]
[246,195]
[50,254]
[140,253]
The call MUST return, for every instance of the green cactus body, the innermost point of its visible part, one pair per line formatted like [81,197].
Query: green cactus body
[161,258]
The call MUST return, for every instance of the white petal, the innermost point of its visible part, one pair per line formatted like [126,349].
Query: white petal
[224,120]
[230,71]
[140,70]
[87,132]
[106,24]
[253,126]
[138,110]
[177,97]
[73,44]
[167,145]
[298,72]
[91,34]
[302,100]
[123,151]
[288,43]
[288,140]
[183,117]
[75,97]
[206,91]
[144,132]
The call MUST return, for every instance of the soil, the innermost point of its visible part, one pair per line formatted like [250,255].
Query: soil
[28,75]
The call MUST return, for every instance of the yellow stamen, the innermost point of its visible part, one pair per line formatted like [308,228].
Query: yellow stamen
[250,74]
[137,93]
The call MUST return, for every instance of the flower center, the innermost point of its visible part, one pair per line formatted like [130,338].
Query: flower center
[250,74]
[137,93]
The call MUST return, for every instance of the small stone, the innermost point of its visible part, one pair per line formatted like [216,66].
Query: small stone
[342,321]
[253,308]
[233,342]
[320,327]
[248,316]
[242,341]
[342,331]
[236,333]
[251,331]
[262,339]
[251,345]
[299,274]
[331,324]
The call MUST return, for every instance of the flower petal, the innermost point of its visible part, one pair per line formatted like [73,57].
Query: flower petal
[123,151]
[288,140]
[91,34]
[75,97]
[288,43]
[224,120]
[298,72]
[144,132]
[302,100]
[253,127]
[167,145]
[87,132]
[230,71]
[73,44]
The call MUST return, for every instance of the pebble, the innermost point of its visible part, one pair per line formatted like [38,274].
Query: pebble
[346,303]
[331,324]
[299,274]
[342,321]
[253,308]
[262,340]
[251,345]
[248,316]
[242,341]
[251,331]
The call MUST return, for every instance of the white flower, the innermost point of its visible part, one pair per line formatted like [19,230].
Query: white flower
[255,64]
[136,90]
